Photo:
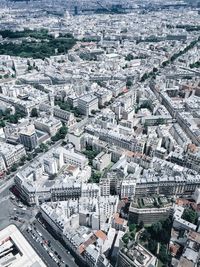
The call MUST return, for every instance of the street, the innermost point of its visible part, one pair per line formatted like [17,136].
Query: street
[15,212]
[40,250]
[60,253]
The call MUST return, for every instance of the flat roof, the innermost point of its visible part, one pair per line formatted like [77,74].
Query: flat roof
[88,98]
[27,255]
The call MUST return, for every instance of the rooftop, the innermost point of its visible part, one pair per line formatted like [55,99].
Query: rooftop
[11,238]
[88,98]
[138,255]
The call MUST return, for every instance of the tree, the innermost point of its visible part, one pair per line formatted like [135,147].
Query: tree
[144,77]
[29,157]
[44,147]
[152,246]
[30,67]
[2,124]
[76,112]
[141,225]
[129,57]
[132,235]
[13,119]
[145,104]
[1,113]
[20,114]
[37,150]
[93,111]
[54,138]
[195,65]
[52,176]
[189,215]
[63,131]
[167,224]
[132,227]
[163,256]
[155,70]
[6,76]
[129,83]
[95,177]
[159,231]
[64,143]
[125,238]
[145,235]
[165,63]
[63,105]
[44,48]
[34,112]
[7,112]
[90,152]
[61,134]
[22,160]
[14,167]
[156,229]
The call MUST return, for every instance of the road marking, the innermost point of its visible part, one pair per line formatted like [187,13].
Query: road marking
[36,249]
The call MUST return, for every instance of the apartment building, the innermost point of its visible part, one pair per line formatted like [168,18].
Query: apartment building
[87,103]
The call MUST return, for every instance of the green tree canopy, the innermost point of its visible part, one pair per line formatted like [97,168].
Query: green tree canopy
[132,227]
[129,57]
[125,238]
[129,83]
[95,177]
[152,246]
[34,112]
[61,134]
[2,124]
[190,215]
